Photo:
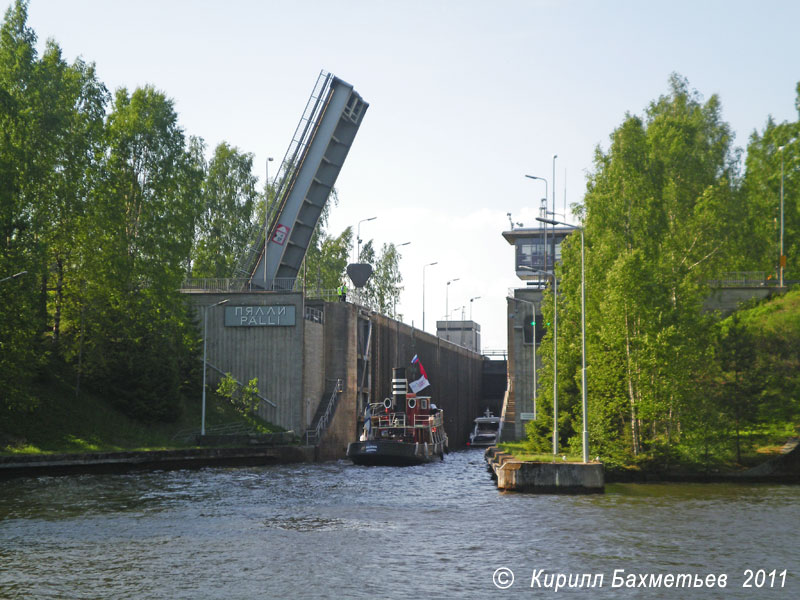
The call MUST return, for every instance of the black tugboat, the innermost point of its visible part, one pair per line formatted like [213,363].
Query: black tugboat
[401,431]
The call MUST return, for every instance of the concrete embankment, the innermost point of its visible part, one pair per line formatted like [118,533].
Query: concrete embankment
[544,477]
[512,474]
[121,462]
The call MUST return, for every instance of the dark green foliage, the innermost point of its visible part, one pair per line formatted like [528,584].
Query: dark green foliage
[100,210]
[665,211]
[229,203]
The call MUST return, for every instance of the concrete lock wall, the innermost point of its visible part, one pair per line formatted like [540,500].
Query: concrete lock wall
[314,384]
[273,354]
[297,365]
[454,372]
[520,360]
[340,363]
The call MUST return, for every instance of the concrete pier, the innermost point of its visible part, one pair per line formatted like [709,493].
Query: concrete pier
[545,477]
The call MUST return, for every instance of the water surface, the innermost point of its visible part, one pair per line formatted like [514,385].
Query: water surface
[335,530]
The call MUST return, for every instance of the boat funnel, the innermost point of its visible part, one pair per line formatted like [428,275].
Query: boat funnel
[399,387]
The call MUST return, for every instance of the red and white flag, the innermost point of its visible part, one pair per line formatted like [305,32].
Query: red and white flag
[422,382]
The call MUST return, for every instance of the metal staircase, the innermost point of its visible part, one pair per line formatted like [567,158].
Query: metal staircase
[308,172]
[324,414]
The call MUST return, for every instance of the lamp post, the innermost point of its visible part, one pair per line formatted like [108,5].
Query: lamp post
[782,259]
[470,306]
[423,291]
[583,341]
[14,276]
[266,220]
[205,337]
[447,303]
[358,237]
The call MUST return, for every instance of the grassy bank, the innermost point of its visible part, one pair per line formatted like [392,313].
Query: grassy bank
[65,422]
[761,444]
[522,451]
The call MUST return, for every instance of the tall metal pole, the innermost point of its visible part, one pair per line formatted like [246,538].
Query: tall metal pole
[447,308]
[555,361]
[555,156]
[266,222]
[535,383]
[423,291]
[205,337]
[781,259]
[583,354]
[583,342]
[470,306]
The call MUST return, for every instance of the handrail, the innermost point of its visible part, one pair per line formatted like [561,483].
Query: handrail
[240,384]
[284,179]
[314,315]
[238,284]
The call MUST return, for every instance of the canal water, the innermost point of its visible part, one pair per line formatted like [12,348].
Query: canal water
[335,530]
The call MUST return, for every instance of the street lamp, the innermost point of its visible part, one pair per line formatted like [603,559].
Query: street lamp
[266,220]
[583,339]
[205,328]
[423,291]
[470,306]
[14,276]
[447,303]
[358,237]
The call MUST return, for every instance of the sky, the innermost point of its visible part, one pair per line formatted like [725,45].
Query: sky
[465,97]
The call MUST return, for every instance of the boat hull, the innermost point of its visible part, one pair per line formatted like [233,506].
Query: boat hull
[392,453]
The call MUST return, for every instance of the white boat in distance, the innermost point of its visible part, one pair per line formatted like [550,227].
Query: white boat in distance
[486,430]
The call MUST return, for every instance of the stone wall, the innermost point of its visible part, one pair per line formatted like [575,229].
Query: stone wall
[340,363]
[272,354]
[297,366]
[455,373]
[313,370]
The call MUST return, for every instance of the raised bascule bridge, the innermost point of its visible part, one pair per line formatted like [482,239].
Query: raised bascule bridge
[318,363]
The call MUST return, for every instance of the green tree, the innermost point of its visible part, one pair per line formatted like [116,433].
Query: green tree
[762,187]
[384,286]
[736,357]
[139,340]
[230,201]
[662,215]
[19,125]
[52,122]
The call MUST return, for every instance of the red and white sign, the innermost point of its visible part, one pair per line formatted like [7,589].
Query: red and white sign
[280,235]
